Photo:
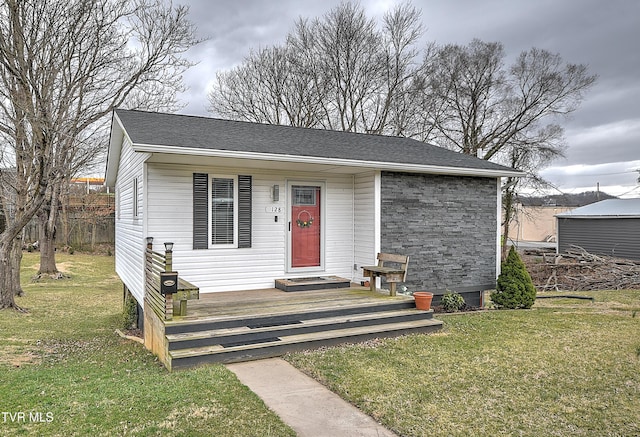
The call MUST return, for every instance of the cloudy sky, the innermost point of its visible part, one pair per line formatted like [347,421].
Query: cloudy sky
[603,136]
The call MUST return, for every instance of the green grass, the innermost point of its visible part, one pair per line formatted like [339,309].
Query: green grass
[63,360]
[565,367]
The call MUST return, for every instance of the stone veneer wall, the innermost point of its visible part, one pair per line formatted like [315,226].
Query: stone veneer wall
[447,225]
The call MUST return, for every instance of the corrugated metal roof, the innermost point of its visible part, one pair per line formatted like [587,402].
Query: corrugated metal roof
[627,208]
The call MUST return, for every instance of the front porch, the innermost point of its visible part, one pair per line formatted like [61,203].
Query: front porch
[273,301]
[234,326]
[246,325]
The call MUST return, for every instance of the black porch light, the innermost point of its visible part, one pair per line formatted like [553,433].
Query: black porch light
[168,247]
[149,241]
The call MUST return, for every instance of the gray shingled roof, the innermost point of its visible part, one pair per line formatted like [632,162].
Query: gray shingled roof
[159,129]
[610,208]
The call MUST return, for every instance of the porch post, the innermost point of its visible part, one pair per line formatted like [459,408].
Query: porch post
[168,267]
[168,264]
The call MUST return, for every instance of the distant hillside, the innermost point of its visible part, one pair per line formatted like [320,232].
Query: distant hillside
[573,200]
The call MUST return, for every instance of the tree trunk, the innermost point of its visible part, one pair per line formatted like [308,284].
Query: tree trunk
[507,204]
[46,246]
[11,247]
[47,217]
[16,259]
[6,277]
[9,273]
[94,229]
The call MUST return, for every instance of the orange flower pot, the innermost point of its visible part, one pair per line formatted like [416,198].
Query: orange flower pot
[423,300]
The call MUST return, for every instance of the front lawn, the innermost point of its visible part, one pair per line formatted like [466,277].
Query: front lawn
[565,367]
[63,370]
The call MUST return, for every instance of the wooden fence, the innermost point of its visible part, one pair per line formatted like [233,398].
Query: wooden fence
[81,233]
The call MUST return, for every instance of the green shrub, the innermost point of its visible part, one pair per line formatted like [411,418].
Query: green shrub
[515,288]
[129,312]
[452,302]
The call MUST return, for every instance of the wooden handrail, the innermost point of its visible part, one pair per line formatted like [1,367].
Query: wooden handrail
[162,305]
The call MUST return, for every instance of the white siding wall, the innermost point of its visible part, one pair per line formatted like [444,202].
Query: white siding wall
[129,230]
[169,218]
[339,228]
[367,217]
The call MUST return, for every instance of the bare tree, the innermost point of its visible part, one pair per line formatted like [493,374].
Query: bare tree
[271,86]
[529,158]
[464,86]
[474,103]
[340,72]
[64,65]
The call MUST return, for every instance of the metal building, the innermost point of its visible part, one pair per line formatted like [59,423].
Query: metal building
[609,227]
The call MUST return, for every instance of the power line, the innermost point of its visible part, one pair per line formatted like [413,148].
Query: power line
[633,189]
[608,174]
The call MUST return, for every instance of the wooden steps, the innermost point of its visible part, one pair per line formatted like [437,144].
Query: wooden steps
[312,283]
[241,338]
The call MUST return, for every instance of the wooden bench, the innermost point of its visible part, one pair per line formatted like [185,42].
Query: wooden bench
[186,291]
[397,272]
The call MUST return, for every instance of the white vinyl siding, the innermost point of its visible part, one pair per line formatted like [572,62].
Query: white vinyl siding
[366,217]
[129,249]
[338,204]
[170,218]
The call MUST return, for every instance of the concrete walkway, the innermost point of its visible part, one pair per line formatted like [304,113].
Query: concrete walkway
[303,403]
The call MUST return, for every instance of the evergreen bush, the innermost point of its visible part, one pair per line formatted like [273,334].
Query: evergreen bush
[515,288]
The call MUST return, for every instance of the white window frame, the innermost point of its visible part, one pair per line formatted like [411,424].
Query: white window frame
[233,245]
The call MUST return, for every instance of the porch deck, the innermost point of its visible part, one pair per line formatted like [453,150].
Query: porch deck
[253,324]
[274,301]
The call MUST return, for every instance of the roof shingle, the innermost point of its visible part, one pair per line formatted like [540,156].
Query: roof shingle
[161,129]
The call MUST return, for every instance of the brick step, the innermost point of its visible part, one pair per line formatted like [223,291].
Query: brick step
[279,318]
[279,345]
[252,332]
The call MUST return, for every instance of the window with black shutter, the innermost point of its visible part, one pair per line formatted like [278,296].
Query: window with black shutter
[221,211]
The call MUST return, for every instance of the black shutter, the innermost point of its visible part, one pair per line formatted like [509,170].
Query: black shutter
[200,210]
[244,211]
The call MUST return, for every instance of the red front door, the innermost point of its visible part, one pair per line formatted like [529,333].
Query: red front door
[305,226]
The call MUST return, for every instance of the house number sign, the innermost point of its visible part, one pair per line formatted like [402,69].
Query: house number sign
[274,209]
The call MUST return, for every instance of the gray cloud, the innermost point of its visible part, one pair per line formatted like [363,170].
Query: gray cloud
[603,35]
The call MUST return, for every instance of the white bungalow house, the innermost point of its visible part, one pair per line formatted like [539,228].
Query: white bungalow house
[247,203]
